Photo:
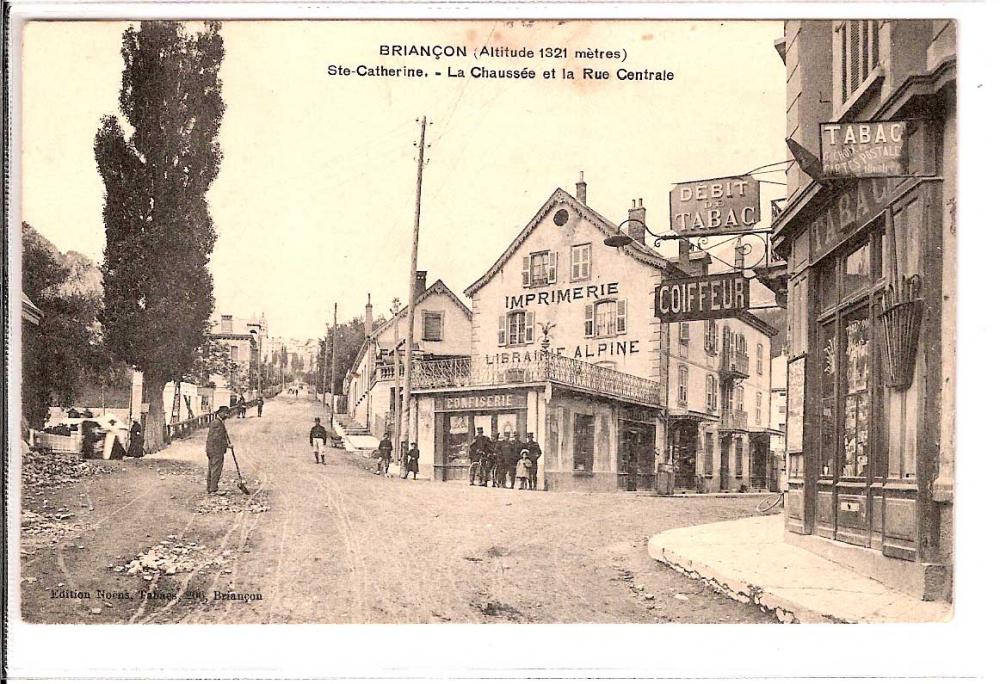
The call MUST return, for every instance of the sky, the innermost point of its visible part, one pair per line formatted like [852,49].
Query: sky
[314,201]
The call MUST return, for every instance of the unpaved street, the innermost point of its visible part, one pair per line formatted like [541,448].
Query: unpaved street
[335,543]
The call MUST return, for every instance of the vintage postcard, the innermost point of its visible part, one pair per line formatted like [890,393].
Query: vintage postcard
[484,321]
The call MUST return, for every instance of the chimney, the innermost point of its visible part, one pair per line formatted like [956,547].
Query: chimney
[369,324]
[683,255]
[636,226]
[421,282]
[581,190]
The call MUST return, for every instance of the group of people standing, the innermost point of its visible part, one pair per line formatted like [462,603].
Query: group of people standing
[411,463]
[242,404]
[504,462]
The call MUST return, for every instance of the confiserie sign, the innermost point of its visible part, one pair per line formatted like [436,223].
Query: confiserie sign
[721,295]
[863,149]
[481,401]
[719,205]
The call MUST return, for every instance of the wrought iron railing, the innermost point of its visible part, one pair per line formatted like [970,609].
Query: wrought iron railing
[735,363]
[733,419]
[464,372]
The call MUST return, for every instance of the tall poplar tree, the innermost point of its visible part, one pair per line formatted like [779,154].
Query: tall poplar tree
[157,288]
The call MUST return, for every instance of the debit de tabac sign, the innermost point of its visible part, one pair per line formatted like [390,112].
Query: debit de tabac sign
[863,149]
[718,295]
[718,205]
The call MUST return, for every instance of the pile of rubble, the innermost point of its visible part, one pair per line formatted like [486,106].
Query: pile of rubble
[172,556]
[42,529]
[56,469]
[234,503]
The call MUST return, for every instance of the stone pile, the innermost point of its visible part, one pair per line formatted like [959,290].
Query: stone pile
[172,556]
[42,529]
[235,503]
[57,469]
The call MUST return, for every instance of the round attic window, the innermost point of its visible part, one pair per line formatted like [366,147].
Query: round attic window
[561,217]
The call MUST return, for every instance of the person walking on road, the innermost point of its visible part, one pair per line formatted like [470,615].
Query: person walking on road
[216,445]
[241,407]
[412,461]
[534,453]
[317,438]
[135,440]
[260,406]
[384,455]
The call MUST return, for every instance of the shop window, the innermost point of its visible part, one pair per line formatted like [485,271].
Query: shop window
[857,369]
[906,224]
[857,50]
[539,268]
[738,449]
[711,392]
[857,271]
[516,328]
[760,359]
[583,443]
[433,326]
[828,285]
[709,453]
[828,384]
[580,262]
[682,385]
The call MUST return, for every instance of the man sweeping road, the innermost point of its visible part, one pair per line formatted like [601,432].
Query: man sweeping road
[216,446]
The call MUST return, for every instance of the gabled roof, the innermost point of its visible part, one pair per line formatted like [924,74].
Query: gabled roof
[637,250]
[437,288]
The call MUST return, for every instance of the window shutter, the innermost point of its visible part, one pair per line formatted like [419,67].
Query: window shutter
[585,262]
[553,266]
[526,271]
[502,332]
[685,333]
[588,321]
[529,327]
[621,322]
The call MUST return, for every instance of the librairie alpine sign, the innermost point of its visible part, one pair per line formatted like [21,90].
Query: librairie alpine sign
[719,205]
[718,295]
[863,149]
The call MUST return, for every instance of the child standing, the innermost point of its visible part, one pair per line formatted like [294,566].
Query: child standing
[523,466]
[412,461]
[317,438]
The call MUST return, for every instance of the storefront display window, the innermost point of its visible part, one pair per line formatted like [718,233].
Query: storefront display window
[857,271]
[829,389]
[856,409]
[583,443]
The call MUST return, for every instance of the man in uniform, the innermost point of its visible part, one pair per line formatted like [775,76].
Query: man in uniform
[216,445]
[515,450]
[534,453]
[384,455]
[317,438]
[477,457]
[260,406]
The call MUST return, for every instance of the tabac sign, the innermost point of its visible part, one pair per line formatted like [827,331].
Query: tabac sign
[719,205]
[719,295]
[866,149]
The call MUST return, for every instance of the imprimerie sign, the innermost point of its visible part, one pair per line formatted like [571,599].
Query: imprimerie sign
[867,149]
[720,295]
[719,205]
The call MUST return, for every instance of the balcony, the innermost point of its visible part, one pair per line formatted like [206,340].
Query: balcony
[733,364]
[733,420]
[559,370]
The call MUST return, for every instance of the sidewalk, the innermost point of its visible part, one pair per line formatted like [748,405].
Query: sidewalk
[749,561]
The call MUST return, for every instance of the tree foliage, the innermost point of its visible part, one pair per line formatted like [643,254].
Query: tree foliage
[66,348]
[157,287]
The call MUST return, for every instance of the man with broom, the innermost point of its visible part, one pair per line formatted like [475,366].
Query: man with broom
[216,446]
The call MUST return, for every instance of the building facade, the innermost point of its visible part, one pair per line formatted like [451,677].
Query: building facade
[871,447]
[566,346]
[442,331]
[247,342]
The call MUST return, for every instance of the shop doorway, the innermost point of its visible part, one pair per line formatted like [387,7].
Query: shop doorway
[724,448]
[685,446]
[636,456]
[759,472]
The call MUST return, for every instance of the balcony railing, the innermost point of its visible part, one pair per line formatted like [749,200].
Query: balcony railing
[463,372]
[733,419]
[735,364]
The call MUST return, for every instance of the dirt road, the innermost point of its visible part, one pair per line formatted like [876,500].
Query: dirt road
[335,543]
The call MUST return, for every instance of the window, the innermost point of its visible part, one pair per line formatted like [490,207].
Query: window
[857,48]
[758,408]
[682,385]
[711,336]
[539,269]
[433,326]
[709,453]
[234,353]
[580,262]
[760,359]
[711,393]
[605,319]
[683,337]
[583,443]
[739,398]
[227,324]
[517,327]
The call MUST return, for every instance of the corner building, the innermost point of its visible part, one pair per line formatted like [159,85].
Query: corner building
[870,459]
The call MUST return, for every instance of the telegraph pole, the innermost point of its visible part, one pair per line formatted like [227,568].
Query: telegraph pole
[397,400]
[408,359]
[333,363]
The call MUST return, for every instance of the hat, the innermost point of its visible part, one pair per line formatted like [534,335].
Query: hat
[524,452]
[531,435]
[317,419]
[222,409]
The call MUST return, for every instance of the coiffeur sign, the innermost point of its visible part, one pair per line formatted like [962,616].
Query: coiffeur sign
[720,205]
[721,295]
[868,149]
